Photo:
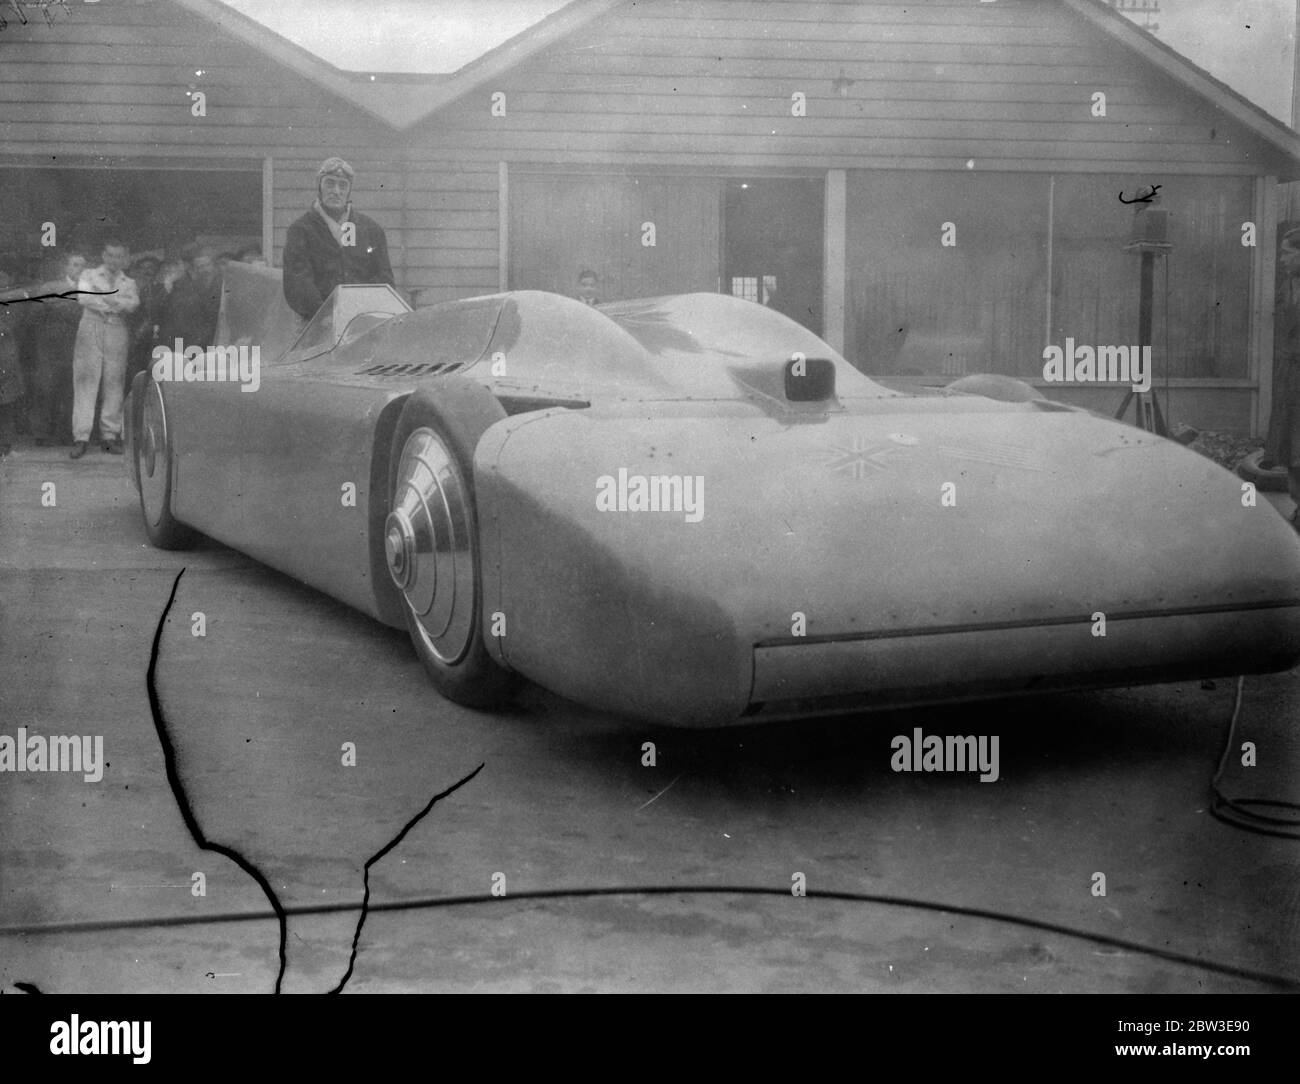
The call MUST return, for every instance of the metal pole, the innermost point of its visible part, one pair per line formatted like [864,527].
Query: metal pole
[1151,417]
[1145,295]
[1295,74]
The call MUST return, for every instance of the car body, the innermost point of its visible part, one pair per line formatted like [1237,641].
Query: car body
[485,473]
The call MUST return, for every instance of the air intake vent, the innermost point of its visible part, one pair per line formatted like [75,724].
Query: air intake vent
[409,370]
[809,380]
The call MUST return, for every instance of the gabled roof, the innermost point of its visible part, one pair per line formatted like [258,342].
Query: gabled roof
[401,101]
[1200,82]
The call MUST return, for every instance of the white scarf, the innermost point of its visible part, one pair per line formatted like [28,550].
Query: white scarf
[336,226]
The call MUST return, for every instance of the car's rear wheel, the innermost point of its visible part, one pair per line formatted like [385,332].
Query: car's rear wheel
[431,542]
[154,462]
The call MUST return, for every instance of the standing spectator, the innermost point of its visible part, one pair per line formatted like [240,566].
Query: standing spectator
[172,271]
[588,287]
[317,252]
[1283,440]
[26,276]
[11,376]
[144,324]
[99,357]
[56,335]
[191,309]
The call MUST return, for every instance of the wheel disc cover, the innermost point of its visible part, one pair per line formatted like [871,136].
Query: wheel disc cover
[151,449]
[428,545]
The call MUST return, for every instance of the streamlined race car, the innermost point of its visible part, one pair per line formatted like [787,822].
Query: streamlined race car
[691,510]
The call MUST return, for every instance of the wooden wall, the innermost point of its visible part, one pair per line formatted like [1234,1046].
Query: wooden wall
[702,85]
[112,78]
[699,87]
[107,84]
[933,84]
[561,224]
[705,86]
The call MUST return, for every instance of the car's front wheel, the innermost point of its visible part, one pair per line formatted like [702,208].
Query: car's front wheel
[152,446]
[431,542]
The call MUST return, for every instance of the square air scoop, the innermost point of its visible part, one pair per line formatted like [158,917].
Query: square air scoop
[809,380]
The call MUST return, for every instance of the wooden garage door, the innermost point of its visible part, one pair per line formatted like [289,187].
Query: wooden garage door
[561,224]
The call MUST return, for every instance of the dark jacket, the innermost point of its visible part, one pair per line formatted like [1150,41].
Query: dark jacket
[11,375]
[314,263]
[57,320]
[148,317]
[190,312]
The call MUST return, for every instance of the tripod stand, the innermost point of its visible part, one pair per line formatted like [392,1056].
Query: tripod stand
[1147,406]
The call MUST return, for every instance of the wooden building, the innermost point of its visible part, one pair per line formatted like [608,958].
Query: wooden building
[933,185]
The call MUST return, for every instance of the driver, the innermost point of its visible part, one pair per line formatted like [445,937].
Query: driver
[320,252]
[1284,426]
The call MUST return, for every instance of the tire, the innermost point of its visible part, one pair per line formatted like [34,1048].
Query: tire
[155,467]
[431,541]
[131,428]
[1273,480]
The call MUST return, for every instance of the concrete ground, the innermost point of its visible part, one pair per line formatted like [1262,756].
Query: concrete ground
[260,708]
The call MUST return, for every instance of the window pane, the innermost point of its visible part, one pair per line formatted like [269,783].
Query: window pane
[918,306]
[745,286]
